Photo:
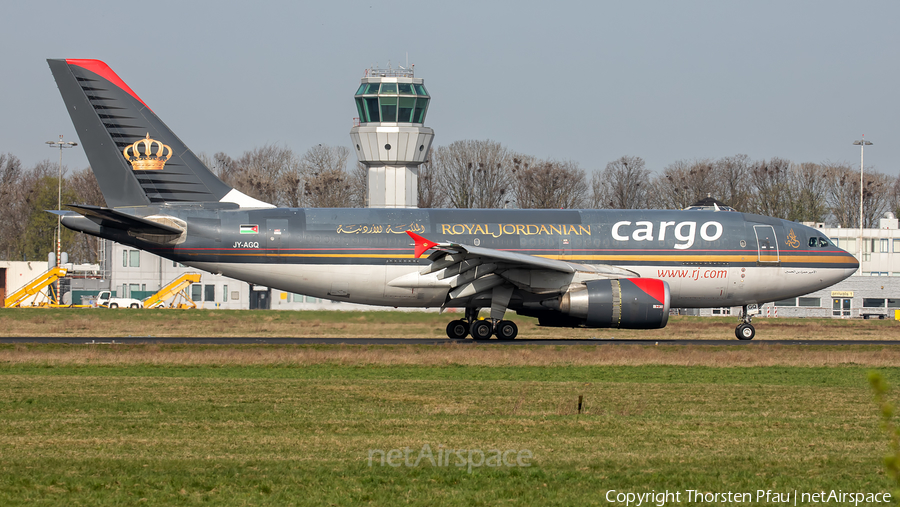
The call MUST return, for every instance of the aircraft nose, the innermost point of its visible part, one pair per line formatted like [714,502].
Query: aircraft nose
[849,265]
[852,263]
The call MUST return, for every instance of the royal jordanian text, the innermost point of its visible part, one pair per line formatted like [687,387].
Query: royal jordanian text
[497,230]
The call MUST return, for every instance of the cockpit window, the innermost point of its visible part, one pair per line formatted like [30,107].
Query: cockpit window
[819,241]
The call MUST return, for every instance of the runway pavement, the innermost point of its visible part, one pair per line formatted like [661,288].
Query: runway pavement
[426,341]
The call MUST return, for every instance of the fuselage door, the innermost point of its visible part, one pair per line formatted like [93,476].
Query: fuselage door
[277,235]
[767,243]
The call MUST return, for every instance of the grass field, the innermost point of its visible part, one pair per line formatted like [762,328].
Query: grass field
[388,324]
[284,425]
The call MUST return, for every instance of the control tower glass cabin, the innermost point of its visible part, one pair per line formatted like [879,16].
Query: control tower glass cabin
[390,137]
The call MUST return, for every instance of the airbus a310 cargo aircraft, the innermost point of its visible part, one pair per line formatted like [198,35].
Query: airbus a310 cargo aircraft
[568,268]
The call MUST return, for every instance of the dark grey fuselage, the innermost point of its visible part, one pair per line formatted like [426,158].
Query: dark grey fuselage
[708,258]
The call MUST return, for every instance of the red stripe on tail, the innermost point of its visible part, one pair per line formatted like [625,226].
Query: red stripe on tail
[103,70]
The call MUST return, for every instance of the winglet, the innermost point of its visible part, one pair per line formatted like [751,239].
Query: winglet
[422,244]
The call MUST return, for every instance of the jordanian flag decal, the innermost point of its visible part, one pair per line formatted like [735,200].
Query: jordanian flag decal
[249,229]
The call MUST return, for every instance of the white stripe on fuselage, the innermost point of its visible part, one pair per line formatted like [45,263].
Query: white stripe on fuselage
[691,287]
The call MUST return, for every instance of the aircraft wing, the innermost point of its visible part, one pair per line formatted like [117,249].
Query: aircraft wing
[468,270]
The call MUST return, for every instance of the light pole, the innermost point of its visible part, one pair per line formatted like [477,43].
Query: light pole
[862,143]
[59,144]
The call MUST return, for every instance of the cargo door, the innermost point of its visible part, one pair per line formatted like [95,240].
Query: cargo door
[767,244]
[277,237]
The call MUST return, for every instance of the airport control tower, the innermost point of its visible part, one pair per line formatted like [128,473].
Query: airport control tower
[390,138]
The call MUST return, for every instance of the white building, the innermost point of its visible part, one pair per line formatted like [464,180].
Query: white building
[138,274]
[16,274]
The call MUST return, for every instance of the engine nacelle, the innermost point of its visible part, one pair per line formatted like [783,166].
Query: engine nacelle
[628,303]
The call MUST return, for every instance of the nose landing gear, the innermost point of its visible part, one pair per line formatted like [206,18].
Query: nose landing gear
[745,330]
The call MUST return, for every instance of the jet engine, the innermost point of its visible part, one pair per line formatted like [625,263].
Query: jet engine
[628,303]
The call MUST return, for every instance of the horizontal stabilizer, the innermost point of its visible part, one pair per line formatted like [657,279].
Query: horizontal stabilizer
[111,218]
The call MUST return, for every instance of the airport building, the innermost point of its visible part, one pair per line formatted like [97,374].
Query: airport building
[15,275]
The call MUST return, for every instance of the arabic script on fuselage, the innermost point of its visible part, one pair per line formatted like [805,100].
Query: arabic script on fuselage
[379,229]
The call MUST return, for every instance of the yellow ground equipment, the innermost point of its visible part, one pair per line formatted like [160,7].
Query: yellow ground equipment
[39,286]
[178,288]
[175,290]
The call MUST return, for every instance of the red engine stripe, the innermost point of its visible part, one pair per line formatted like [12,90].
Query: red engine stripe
[653,287]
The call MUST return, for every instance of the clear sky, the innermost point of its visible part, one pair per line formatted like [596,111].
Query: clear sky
[587,81]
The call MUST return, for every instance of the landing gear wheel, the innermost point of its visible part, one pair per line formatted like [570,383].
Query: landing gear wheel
[481,330]
[745,332]
[507,330]
[457,329]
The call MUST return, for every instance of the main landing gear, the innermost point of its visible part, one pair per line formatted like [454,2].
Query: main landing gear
[745,330]
[481,329]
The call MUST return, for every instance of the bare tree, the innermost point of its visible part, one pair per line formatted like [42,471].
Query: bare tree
[332,188]
[430,192]
[543,184]
[12,210]
[843,194]
[326,183]
[85,186]
[894,205]
[85,248]
[732,182]
[28,231]
[623,184]
[473,174]
[360,183]
[262,173]
[222,165]
[683,183]
[809,189]
[772,184]
[876,197]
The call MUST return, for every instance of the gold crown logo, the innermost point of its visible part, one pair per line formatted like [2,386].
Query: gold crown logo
[147,159]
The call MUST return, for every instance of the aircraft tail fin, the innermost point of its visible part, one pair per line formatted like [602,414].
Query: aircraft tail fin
[137,159]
